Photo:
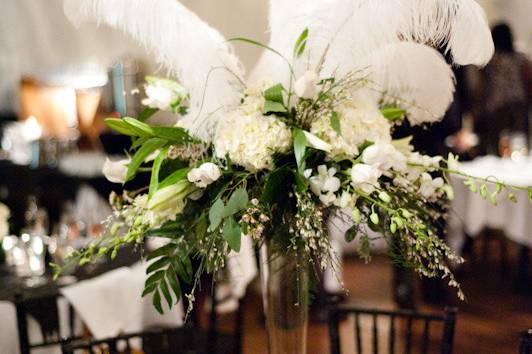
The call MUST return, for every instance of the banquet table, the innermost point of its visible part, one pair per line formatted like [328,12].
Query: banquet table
[470,213]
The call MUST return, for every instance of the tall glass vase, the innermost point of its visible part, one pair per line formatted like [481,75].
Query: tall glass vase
[285,289]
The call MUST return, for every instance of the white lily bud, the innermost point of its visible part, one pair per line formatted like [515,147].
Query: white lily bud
[307,85]
[314,142]
[115,171]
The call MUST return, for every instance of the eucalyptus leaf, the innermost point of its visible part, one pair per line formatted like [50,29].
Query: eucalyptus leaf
[216,214]
[232,234]
[237,202]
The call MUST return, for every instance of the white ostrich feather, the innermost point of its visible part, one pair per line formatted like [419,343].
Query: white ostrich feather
[414,76]
[354,32]
[189,48]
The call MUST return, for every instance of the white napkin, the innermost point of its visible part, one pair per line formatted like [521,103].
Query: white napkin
[112,304]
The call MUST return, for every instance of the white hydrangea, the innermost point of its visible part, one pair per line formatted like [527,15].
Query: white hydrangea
[360,120]
[251,139]
[254,96]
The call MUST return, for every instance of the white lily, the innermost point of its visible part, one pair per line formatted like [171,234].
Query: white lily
[314,142]
[307,85]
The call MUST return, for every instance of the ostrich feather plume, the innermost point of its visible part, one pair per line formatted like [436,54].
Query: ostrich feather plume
[189,48]
[390,40]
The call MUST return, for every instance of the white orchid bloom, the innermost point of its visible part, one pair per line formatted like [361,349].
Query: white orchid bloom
[384,156]
[204,175]
[366,177]
[325,184]
[307,85]
[115,171]
[429,188]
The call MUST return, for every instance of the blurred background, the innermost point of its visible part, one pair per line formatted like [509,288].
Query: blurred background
[58,83]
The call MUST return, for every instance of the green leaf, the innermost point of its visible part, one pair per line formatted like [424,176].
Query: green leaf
[157,302]
[156,168]
[117,124]
[232,234]
[147,113]
[335,123]
[154,278]
[181,270]
[273,107]
[140,128]
[149,289]
[166,292]
[512,197]
[171,276]
[137,142]
[237,202]
[483,190]
[169,231]
[172,134]
[300,145]
[145,150]
[273,182]
[201,226]
[216,214]
[274,93]
[301,42]
[351,233]
[162,251]
[174,177]
[393,113]
[158,264]
[301,183]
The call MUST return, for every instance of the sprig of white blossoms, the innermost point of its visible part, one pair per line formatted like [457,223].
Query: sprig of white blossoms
[360,120]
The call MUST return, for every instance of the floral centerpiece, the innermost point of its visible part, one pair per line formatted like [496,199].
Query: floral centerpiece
[310,135]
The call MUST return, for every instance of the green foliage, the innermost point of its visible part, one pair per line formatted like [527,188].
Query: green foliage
[145,150]
[136,128]
[154,178]
[237,202]
[393,113]
[170,263]
[216,214]
[146,113]
[300,146]
[273,107]
[274,93]
[301,42]
[335,123]
[351,233]
[232,234]
[174,177]
[274,181]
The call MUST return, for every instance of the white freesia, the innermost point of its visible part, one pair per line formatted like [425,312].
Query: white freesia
[163,94]
[204,175]
[115,171]
[307,85]
[314,142]
[4,217]
[360,120]
[430,188]
[384,156]
[365,177]
[251,139]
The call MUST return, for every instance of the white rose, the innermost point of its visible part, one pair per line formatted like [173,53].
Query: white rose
[365,177]
[384,156]
[115,171]
[204,175]
[307,85]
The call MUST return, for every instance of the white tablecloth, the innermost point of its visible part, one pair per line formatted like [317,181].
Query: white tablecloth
[470,213]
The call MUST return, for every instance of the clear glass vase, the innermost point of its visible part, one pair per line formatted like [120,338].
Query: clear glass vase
[285,289]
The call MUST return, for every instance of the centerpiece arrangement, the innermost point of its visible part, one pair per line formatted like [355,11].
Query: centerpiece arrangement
[308,135]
